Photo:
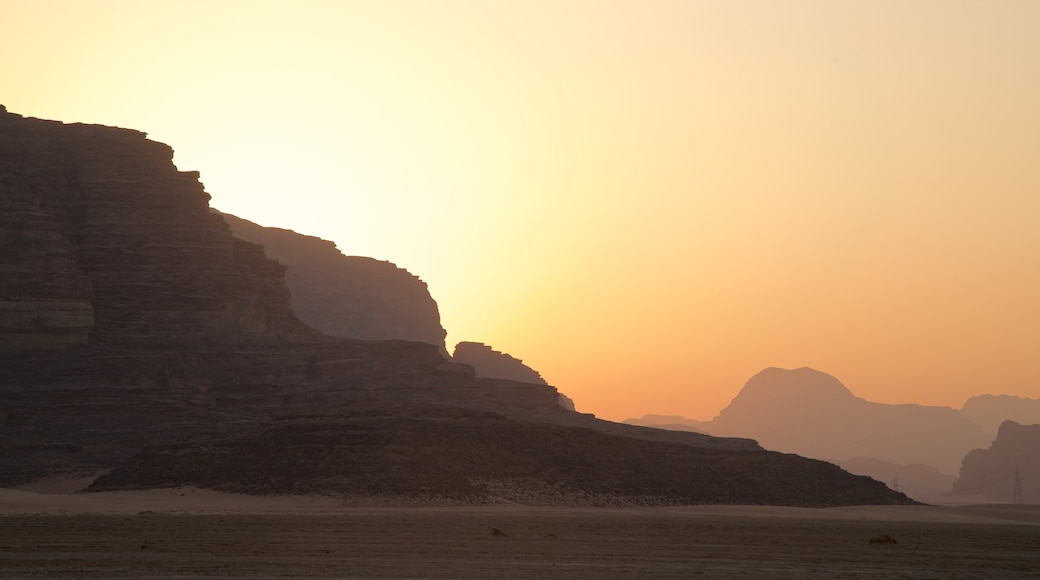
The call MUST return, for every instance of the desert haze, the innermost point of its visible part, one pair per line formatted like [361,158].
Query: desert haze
[374,292]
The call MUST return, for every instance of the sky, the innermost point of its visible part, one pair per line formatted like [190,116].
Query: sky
[648,202]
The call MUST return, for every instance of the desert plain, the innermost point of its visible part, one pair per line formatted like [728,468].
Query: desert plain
[195,533]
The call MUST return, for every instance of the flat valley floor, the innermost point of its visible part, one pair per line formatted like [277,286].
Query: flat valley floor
[200,534]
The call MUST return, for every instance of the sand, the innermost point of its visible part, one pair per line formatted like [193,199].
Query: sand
[193,533]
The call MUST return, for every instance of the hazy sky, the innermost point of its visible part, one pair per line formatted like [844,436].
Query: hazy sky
[647,201]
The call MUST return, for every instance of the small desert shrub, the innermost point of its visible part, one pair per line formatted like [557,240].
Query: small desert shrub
[883,539]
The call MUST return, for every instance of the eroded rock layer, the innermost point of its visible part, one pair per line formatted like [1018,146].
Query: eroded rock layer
[104,240]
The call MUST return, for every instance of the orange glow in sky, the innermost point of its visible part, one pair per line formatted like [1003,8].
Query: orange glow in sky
[648,202]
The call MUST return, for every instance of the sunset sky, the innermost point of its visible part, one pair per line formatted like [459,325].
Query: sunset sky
[646,201]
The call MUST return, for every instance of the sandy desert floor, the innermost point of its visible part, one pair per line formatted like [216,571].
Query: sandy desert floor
[188,533]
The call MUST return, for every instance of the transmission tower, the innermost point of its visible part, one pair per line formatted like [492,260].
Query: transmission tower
[1016,495]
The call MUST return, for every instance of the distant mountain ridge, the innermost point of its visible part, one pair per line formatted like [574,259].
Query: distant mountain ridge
[811,413]
[990,411]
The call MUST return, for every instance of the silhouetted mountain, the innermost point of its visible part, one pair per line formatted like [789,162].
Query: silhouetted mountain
[136,324]
[810,413]
[991,472]
[348,296]
[990,411]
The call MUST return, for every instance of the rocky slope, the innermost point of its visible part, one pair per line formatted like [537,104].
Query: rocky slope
[347,296]
[459,456]
[136,326]
[991,472]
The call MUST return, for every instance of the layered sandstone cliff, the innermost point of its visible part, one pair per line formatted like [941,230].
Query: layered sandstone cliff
[104,240]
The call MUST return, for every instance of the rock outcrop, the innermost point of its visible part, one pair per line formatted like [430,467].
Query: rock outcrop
[348,296]
[488,362]
[991,472]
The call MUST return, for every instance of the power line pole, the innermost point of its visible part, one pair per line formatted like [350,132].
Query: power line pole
[1016,495]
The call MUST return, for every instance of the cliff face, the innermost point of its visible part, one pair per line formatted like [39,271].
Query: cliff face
[348,296]
[104,240]
[991,472]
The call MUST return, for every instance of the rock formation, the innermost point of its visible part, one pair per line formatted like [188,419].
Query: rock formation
[104,240]
[488,362]
[348,296]
[991,472]
[139,333]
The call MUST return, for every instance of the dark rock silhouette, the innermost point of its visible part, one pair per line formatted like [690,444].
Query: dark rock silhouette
[488,362]
[990,411]
[347,296]
[991,472]
[143,333]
